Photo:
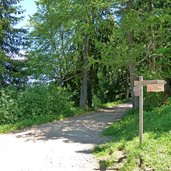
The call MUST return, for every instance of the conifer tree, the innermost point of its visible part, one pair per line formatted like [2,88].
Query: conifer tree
[11,41]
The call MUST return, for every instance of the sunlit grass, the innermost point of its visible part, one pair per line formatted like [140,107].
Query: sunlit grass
[112,104]
[155,152]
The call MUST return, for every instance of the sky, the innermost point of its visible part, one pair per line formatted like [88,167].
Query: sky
[30,8]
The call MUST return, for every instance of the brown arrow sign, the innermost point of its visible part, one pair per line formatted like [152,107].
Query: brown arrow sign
[146,82]
[155,87]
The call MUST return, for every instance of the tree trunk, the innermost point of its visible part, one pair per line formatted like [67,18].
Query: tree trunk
[90,94]
[84,84]
[167,92]
[84,90]
[131,72]
[127,86]
[134,98]
[131,64]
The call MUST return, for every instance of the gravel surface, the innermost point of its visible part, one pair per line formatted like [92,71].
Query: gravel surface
[62,145]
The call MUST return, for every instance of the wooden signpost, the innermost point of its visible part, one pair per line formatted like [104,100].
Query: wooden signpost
[137,91]
[155,87]
[152,86]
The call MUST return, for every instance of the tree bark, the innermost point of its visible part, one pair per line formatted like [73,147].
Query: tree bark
[90,93]
[127,86]
[84,90]
[131,62]
[84,83]
[131,72]
[134,98]
[167,92]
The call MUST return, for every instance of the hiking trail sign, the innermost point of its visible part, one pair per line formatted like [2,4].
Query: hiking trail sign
[152,86]
[155,87]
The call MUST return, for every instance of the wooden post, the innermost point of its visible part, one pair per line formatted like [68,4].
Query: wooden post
[141,112]
[152,86]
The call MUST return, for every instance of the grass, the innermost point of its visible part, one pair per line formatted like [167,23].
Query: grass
[112,104]
[6,128]
[155,152]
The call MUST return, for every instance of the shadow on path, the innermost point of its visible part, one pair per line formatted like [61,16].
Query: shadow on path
[84,129]
[62,145]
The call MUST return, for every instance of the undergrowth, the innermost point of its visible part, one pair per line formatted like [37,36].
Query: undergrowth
[34,105]
[21,124]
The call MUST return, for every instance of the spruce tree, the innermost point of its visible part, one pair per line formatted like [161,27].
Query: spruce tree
[11,41]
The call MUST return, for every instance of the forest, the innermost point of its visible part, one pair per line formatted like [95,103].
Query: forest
[75,56]
[81,54]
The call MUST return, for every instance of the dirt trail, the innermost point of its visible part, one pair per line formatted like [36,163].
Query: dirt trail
[58,146]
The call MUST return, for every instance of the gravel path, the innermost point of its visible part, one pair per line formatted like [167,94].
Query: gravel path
[58,146]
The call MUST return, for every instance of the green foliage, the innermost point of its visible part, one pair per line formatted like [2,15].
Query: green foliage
[112,85]
[152,100]
[10,36]
[96,102]
[142,37]
[155,152]
[8,106]
[67,44]
[35,102]
[27,122]
[12,40]
[43,100]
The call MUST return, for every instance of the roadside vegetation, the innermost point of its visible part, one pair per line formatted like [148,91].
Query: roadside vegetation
[39,104]
[124,152]
[34,105]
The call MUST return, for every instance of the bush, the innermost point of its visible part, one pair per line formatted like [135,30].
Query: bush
[60,101]
[8,106]
[43,100]
[152,100]
[96,102]
[34,102]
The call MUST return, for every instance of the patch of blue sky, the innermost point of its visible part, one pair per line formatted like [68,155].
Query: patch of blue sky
[30,8]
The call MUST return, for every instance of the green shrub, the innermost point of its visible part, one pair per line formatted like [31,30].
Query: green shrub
[8,106]
[152,100]
[34,102]
[96,102]
[43,100]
